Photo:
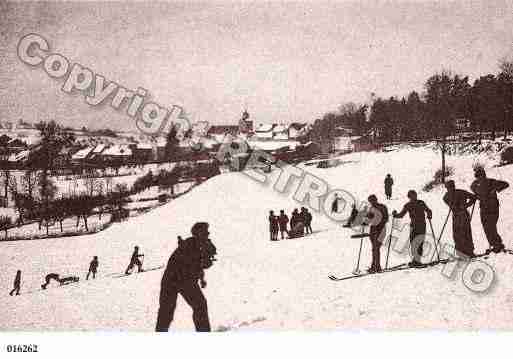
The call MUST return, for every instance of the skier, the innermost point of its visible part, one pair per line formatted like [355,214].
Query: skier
[273,226]
[378,218]
[134,261]
[334,205]
[93,268]
[352,217]
[389,182]
[486,191]
[17,284]
[307,215]
[297,224]
[417,211]
[458,201]
[184,269]
[283,219]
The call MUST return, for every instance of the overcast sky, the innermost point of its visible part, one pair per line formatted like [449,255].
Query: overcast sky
[285,61]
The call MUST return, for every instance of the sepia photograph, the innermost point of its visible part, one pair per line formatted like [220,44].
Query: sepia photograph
[256,168]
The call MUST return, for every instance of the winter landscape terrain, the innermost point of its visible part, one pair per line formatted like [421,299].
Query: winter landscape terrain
[258,284]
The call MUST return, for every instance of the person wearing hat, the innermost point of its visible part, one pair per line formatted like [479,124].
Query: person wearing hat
[417,210]
[378,218]
[486,190]
[184,269]
[458,201]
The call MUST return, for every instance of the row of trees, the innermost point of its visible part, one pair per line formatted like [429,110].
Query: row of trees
[449,102]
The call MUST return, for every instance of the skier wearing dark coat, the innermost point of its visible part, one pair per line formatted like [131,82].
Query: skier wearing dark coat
[273,226]
[17,284]
[184,269]
[388,186]
[134,261]
[378,218]
[458,201]
[334,204]
[486,190]
[283,220]
[297,224]
[352,217]
[307,216]
[93,268]
[417,211]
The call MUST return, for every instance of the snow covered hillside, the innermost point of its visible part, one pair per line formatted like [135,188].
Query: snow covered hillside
[258,284]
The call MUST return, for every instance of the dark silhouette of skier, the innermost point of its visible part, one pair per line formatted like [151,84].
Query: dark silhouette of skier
[273,226]
[17,284]
[458,201]
[134,261]
[184,269]
[486,190]
[283,220]
[352,217]
[378,218]
[307,216]
[93,268]
[417,211]
[297,224]
[389,182]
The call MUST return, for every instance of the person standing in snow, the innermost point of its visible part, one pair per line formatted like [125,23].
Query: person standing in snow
[307,215]
[93,268]
[458,201]
[486,190]
[134,261]
[352,217]
[184,269]
[17,284]
[283,220]
[273,226]
[417,211]
[389,182]
[378,218]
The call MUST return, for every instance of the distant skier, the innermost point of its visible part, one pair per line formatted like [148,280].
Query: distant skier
[334,204]
[417,211]
[93,268]
[378,218]
[486,190]
[352,217]
[458,201]
[134,261]
[307,215]
[389,182]
[17,284]
[297,224]
[184,269]
[273,226]
[283,220]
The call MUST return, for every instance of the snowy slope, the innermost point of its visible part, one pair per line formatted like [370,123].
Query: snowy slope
[258,284]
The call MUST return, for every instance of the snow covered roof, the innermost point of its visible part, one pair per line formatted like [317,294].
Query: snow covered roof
[83,153]
[118,150]
[99,148]
[15,157]
[144,146]
[264,127]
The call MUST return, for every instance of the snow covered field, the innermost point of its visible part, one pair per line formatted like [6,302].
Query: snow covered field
[258,284]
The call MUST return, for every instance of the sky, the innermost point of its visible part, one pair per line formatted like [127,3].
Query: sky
[284,61]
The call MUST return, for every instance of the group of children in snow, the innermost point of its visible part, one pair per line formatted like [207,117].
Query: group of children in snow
[458,200]
[300,224]
[93,269]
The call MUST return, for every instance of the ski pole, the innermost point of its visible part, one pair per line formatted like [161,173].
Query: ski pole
[434,238]
[357,270]
[472,212]
[389,242]
[443,228]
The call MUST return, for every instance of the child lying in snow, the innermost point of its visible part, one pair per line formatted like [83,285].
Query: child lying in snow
[62,281]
